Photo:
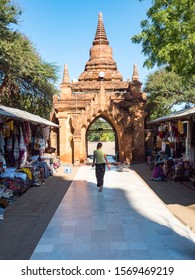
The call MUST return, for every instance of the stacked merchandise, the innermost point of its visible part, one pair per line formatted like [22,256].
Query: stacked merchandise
[13,183]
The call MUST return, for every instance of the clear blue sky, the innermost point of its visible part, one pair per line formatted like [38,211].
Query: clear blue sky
[62,31]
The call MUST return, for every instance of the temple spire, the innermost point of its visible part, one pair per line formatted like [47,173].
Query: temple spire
[65,85]
[100,36]
[66,78]
[135,76]
[101,58]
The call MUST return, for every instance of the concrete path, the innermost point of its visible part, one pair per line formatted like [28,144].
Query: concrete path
[126,221]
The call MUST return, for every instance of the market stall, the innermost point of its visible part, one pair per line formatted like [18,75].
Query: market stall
[174,139]
[24,138]
[174,134]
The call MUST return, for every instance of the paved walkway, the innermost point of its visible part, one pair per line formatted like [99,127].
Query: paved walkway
[126,221]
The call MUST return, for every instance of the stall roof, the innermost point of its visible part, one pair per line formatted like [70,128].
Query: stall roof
[182,114]
[25,116]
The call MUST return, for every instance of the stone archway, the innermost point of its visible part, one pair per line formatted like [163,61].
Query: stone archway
[100,91]
[103,127]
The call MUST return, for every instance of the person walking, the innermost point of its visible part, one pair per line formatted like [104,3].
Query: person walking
[100,161]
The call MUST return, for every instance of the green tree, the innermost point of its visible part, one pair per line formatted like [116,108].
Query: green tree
[26,81]
[168,36]
[100,130]
[164,90]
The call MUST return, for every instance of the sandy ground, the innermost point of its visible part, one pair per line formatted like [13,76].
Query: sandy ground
[108,147]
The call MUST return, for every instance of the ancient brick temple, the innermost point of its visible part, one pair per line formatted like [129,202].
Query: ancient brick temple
[100,92]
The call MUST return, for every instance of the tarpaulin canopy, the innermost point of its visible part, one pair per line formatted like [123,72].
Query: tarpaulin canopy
[180,115]
[25,116]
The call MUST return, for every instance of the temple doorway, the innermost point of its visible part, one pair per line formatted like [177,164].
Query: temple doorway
[100,130]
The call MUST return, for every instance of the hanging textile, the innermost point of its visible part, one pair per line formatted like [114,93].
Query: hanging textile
[16,147]
[180,127]
[28,133]
[22,145]
[2,143]
[46,131]
[9,144]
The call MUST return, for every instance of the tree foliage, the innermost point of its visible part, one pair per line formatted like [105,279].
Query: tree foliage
[168,36]
[164,90]
[100,130]
[26,81]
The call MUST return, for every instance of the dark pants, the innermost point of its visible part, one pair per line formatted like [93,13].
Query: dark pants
[99,172]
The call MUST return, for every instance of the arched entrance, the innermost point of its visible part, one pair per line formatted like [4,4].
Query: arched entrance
[101,130]
[100,92]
